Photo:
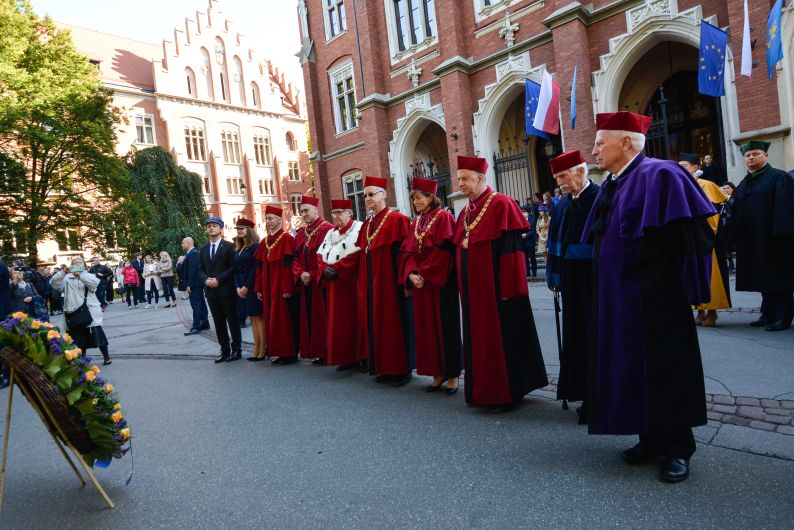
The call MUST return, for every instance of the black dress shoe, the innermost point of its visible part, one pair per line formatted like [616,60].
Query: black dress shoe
[364,367]
[192,332]
[318,361]
[778,326]
[581,413]
[343,367]
[639,454]
[235,356]
[255,359]
[107,362]
[675,469]
[382,378]
[452,391]
[403,380]
[433,388]
[221,358]
[761,322]
[204,328]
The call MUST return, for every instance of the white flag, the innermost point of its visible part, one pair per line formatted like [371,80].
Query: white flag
[747,52]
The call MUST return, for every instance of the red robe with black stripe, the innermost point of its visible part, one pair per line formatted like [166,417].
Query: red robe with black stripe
[273,282]
[502,355]
[313,311]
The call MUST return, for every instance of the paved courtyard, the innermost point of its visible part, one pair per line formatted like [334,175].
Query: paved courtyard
[243,445]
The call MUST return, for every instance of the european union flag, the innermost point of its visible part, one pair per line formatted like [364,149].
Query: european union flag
[711,60]
[531,97]
[774,46]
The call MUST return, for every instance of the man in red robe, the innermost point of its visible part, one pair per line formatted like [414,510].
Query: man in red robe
[336,272]
[502,356]
[313,297]
[276,287]
[383,306]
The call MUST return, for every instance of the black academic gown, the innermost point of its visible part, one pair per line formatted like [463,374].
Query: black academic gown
[761,227]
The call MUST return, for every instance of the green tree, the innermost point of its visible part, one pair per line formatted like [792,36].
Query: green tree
[59,169]
[164,204]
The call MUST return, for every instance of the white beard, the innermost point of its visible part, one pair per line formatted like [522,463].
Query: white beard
[336,247]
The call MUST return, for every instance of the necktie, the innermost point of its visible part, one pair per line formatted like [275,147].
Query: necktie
[212,252]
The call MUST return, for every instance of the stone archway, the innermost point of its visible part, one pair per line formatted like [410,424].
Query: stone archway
[402,148]
[649,25]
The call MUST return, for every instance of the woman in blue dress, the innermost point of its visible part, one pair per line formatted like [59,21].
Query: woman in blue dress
[248,304]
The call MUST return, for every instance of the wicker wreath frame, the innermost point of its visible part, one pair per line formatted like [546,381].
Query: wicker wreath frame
[30,378]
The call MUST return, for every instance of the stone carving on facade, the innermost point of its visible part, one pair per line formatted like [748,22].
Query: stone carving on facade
[219,53]
[414,73]
[513,63]
[417,102]
[651,8]
[508,30]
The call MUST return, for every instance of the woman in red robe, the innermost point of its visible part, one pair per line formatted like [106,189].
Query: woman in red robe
[275,287]
[384,309]
[336,272]
[427,270]
[313,313]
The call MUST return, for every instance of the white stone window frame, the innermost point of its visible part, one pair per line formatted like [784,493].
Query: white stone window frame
[341,72]
[197,127]
[231,150]
[394,45]
[327,19]
[234,184]
[293,164]
[267,186]
[482,11]
[357,196]
[295,200]
[143,116]
[262,142]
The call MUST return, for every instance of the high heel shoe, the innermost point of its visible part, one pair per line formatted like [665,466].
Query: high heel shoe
[452,391]
[433,388]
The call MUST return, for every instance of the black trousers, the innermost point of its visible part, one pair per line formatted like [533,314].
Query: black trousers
[168,288]
[676,444]
[777,305]
[131,290]
[224,313]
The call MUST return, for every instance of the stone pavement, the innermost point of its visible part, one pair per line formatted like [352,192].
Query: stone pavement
[244,445]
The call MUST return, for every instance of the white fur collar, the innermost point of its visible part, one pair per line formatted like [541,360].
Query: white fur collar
[335,246]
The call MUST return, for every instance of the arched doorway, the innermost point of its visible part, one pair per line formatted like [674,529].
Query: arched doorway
[663,84]
[431,161]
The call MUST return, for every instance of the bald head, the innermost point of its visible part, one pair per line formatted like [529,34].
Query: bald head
[187,243]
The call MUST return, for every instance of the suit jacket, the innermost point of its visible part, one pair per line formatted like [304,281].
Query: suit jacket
[190,269]
[138,266]
[221,268]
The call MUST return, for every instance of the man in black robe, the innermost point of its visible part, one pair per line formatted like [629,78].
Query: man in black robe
[762,229]
[569,271]
[713,172]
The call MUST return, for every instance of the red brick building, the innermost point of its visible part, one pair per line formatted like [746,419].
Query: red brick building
[399,87]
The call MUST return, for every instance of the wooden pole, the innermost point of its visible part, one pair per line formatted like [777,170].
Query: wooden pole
[5,433]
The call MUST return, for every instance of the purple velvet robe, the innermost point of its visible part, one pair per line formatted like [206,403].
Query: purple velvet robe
[652,262]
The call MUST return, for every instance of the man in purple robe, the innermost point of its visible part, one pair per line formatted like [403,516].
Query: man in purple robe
[652,262]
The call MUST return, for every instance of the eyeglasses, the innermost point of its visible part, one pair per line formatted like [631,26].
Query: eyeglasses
[371,194]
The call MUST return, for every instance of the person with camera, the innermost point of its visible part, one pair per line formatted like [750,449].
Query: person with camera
[82,310]
[103,273]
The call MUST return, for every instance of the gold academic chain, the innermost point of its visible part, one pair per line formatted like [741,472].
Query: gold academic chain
[309,235]
[371,237]
[271,247]
[470,226]
[421,237]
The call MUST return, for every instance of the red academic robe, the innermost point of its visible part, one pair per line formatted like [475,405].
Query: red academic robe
[383,308]
[435,305]
[313,312]
[274,280]
[344,339]
[502,355]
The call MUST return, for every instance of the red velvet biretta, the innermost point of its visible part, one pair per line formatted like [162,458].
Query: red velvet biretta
[473,163]
[313,201]
[425,185]
[273,210]
[243,222]
[623,121]
[375,181]
[341,204]
[565,161]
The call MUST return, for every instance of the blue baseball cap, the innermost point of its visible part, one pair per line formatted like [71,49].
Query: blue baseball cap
[217,220]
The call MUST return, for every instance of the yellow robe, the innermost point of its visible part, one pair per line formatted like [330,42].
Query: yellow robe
[719,298]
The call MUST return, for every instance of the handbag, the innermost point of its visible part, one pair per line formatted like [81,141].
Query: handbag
[80,317]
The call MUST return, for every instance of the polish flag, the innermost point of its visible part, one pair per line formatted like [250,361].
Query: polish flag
[747,52]
[547,117]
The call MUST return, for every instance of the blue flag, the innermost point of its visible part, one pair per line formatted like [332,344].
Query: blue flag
[573,96]
[774,46]
[531,98]
[711,60]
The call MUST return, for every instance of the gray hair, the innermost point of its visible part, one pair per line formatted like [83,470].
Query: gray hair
[583,166]
[190,239]
[637,139]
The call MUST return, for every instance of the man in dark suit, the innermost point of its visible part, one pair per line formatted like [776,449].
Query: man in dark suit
[217,275]
[189,274]
[137,264]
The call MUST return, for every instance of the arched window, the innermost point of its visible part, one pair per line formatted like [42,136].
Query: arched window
[255,95]
[190,78]
[220,58]
[206,71]
[237,77]
[292,145]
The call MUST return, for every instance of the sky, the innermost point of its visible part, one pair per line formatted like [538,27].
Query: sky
[271,26]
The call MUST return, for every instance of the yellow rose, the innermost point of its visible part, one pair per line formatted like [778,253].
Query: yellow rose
[90,376]
[52,334]
[70,355]
[108,388]
[116,417]
[48,325]
[94,368]
[36,324]
[125,433]
[20,315]
[67,337]
[117,406]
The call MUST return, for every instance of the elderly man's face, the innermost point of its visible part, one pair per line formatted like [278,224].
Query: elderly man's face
[309,213]
[340,218]
[272,222]
[374,198]
[571,180]
[707,160]
[690,168]
[185,244]
[610,150]
[213,229]
[470,182]
[755,159]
